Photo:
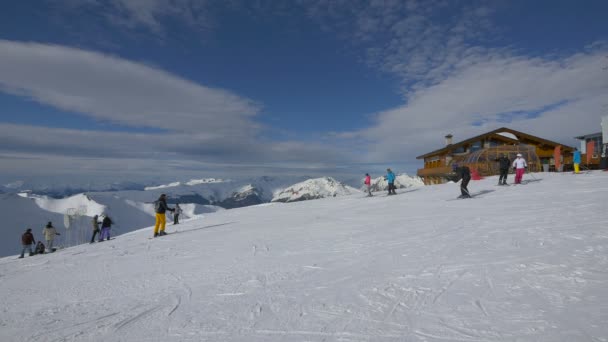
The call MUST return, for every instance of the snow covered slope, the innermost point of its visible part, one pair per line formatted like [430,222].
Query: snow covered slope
[517,263]
[314,189]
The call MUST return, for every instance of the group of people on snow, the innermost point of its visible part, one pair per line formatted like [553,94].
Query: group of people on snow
[160,208]
[28,242]
[102,228]
[463,174]
[104,232]
[390,179]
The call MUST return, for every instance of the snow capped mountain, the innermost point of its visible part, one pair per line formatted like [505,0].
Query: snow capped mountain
[81,202]
[205,181]
[243,197]
[314,189]
[191,182]
[401,181]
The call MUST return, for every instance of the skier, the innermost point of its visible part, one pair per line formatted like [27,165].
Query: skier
[39,248]
[390,178]
[95,228]
[27,240]
[464,174]
[106,224]
[368,184]
[520,166]
[176,213]
[576,159]
[503,164]
[160,207]
[49,233]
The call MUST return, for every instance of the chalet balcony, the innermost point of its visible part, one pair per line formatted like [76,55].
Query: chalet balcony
[434,171]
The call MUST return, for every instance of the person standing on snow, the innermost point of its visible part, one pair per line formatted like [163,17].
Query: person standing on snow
[390,178]
[176,213]
[106,225]
[95,228]
[463,174]
[160,207]
[27,241]
[576,159]
[520,166]
[368,184]
[49,233]
[503,164]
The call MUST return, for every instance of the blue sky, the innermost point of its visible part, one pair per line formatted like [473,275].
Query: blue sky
[212,88]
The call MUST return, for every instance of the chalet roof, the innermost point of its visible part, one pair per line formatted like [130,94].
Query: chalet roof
[583,137]
[495,134]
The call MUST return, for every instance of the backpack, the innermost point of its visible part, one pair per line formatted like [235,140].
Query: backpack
[157,206]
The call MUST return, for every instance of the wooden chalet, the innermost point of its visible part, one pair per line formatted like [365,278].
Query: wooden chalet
[480,153]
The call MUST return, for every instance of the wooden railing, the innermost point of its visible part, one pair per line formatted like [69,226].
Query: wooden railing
[434,171]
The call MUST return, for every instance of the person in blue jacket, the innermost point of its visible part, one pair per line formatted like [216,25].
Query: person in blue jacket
[390,178]
[576,160]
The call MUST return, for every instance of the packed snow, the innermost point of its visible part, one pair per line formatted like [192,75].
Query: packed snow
[515,263]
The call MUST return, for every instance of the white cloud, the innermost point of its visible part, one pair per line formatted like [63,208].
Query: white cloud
[568,92]
[120,91]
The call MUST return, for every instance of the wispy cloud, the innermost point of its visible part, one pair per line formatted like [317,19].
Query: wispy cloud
[150,15]
[457,79]
[192,121]
[120,91]
[555,99]
[422,42]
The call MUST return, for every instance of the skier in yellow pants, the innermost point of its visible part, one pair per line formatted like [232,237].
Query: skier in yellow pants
[576,159]
[161,207]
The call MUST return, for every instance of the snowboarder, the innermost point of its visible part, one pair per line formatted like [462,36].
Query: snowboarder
[463,174]
[106,224]
[503,164]
[27,240]
[368,184]
[160,207]
[390,178]
[49,233]
[520,166]
[95,227]
[576,159]
[39,248]
[176,213]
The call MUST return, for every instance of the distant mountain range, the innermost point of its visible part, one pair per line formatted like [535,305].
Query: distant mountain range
[130,205]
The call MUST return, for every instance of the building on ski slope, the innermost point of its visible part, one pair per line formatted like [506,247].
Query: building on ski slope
[594,139]
[480,153]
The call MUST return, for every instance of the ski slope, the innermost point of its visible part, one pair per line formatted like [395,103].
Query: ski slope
[518,263]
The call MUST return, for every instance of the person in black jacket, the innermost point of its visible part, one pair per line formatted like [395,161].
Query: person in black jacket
[27,241]
[106,225]
[503,164]
[161,207]
[462,173]
[95,227]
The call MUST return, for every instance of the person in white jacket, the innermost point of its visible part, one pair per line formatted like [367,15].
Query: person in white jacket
[49,233]
[520,166]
